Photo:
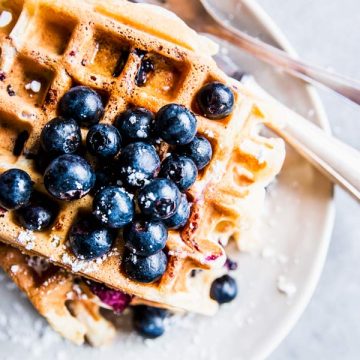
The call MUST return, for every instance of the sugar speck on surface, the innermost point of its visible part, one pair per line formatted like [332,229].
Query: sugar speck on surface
[14,269]
[27,238]
[54,241]
[268,253]
[285,286]
[34,86]
[78,265]
[5,18]
[209,133]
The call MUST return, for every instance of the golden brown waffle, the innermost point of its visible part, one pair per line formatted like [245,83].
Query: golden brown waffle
[57,297]
[61,43]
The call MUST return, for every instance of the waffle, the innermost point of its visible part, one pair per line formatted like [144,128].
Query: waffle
[56,296]
[62,43]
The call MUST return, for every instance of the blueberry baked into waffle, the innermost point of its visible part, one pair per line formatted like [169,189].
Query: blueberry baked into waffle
[126,156]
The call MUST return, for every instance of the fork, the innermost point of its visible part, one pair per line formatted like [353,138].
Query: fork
[337,160]
[202,17]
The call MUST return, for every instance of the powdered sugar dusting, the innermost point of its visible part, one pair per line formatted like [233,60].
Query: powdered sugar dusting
[135,177]
[27,238]
[78,265]
[86,266]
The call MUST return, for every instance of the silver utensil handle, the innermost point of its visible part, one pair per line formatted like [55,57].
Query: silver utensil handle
[345,86]
[336,159]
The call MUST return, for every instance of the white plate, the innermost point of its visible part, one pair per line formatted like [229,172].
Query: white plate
[295,232]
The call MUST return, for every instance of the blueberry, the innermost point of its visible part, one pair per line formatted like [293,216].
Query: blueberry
[69,177]
[136,124]
[15,189]
[144,269]
[38,215]
[224,289]
[89,240]
[60,136]
[231,265]
[113,207]
[147,66]
[103,140]
[215,100]
[175,124]
[145,237]
[160,199]
[180,218]
[199,150]
[149,321]
[138,163]
[83,105]
[181,170]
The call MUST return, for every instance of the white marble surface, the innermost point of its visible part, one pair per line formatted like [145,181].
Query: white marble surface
[327,32]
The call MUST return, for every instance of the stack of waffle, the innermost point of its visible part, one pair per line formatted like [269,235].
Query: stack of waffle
[50,46]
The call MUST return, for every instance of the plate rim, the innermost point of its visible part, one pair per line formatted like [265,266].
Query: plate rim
[321,119]
[267,347]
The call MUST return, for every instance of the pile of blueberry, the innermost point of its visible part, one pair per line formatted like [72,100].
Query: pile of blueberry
[33,210]
[132,189]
